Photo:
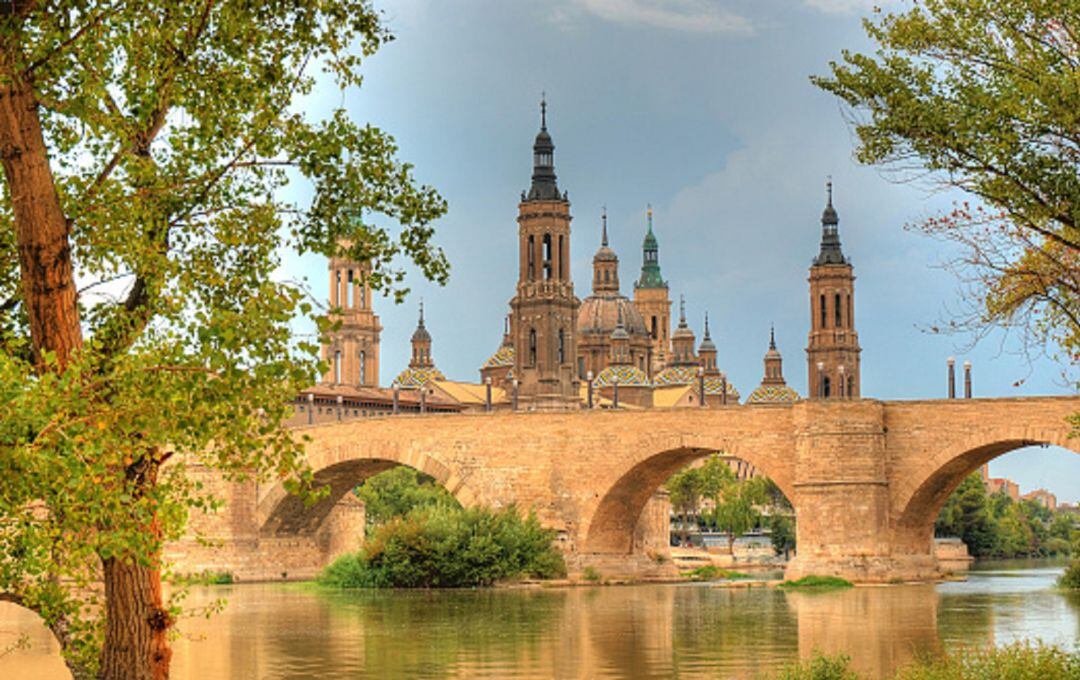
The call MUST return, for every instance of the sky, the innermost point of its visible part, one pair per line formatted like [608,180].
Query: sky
[704,110]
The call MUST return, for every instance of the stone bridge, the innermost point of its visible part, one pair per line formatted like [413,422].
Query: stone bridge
[867,478]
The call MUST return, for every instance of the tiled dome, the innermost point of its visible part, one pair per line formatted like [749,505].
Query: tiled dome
[628,376]
[677,375]
[715,387]
[600,314]
[773,394]
[504,356]
[418,377]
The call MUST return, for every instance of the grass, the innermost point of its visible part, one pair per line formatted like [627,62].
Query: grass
[1018,661]
[712,572]
[817,583]
[204,578]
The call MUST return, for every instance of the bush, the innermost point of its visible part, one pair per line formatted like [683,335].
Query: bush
[441,547]
[204,578]
[818,668]
[817,583]
[711,572]
[1019,661]
[591,574]
[1070,580]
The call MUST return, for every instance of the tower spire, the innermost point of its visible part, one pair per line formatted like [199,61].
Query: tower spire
[706,327]
[772,336]
[544,186]
[682,310]
[603,218]
[543,111]
[831,252]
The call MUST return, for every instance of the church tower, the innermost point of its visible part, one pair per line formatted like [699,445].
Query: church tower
[352,351]
[544,310]
[652,300]
[833,350]
[421,345]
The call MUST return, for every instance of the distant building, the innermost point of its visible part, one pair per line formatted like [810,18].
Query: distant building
[1008,486]
[1043,498]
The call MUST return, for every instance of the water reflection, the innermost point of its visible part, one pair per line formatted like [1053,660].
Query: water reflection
[689,630]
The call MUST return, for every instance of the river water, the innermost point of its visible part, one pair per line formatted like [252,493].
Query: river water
[646,631]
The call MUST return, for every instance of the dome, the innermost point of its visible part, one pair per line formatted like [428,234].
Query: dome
[600,314]
[421,335]
[677,375]
[418,377]
[504,356]
[715,387]
[605,254]
[773,394]
[627,376]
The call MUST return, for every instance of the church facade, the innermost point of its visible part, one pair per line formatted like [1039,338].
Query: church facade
[608,351]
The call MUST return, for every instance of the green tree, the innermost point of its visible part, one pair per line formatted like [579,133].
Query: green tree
[684,493]
[735,510]
[982,94]
[782,532]
[967,515]
[145,150]
[399,491]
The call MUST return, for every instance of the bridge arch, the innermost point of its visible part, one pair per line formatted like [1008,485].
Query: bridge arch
[611,526]
[919,501]
[282,513]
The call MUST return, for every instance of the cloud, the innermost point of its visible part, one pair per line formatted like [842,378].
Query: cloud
[689,16]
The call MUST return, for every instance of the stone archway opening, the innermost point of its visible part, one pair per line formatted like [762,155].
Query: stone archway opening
[918,512]
[285,514]
[615,527]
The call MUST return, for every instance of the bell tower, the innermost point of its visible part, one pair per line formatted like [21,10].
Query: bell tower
[833,350]
[652,299]
[544,309]
[352,351]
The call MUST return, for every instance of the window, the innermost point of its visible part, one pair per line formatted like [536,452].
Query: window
[581,367]
[825,386]
[821,304]
[851,386]
[349,290]
[607,276]
[532,347]
[839,320]
[850,323]
[653,332]
[363,367]
[337,367]
[562,260]
[337,288]
[547,257]
[562,347]
[531,256]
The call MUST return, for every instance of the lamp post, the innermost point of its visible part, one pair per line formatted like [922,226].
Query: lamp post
[820,379]
[397,396]
[967,380]
[515,404]
[843,383]
[615,393]
[951,363]
[487,398]
[310,408]
[423,399]
[588,380]
[339,400]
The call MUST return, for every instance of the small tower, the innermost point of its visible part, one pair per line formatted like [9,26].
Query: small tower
[833,351]
[352,351]
[544,309]
[621,373]
[499,366]
[421,344]
[716,384]
[652,299]
[707,351]
[773,388]
[421,368]
[605,264]
[682,341]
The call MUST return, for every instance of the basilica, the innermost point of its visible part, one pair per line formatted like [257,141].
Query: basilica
[559,352]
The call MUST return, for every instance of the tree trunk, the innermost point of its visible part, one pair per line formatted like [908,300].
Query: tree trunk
[136,644]
[41,229]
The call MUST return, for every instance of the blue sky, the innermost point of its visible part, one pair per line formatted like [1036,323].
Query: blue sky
[702,108]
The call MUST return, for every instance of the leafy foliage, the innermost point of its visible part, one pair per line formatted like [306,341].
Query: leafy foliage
[982,96]
[399,491]
[1017,661]
[440,547]
[820,667]
[813,582]
[994,525]
[187,162]
[1070,580]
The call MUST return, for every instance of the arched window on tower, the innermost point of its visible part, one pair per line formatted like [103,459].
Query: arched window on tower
[532,346]
[825,386]
[349,293]
[653,331]
[562,259]
[850,323]
[851,386]
[821,304]
[839,320]
[337,288]
[531,257]
[337,367]
[363,367]
[562,347]
[547,257]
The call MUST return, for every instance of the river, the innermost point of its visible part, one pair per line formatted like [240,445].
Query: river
[642,631]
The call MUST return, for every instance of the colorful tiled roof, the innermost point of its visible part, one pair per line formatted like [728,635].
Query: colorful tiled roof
[773,394]
[503,357]
[629,376]
[418,377]
[715,386]
[677,375]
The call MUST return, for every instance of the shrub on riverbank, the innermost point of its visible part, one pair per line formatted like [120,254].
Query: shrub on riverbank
[1019,661]
[1070,580]
[711,572]
[817,583]
[440,547]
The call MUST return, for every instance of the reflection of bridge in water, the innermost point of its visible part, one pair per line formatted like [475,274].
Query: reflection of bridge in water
[867,478]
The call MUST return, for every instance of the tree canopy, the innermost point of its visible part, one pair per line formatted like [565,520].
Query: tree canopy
[160,159]
[982,95]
